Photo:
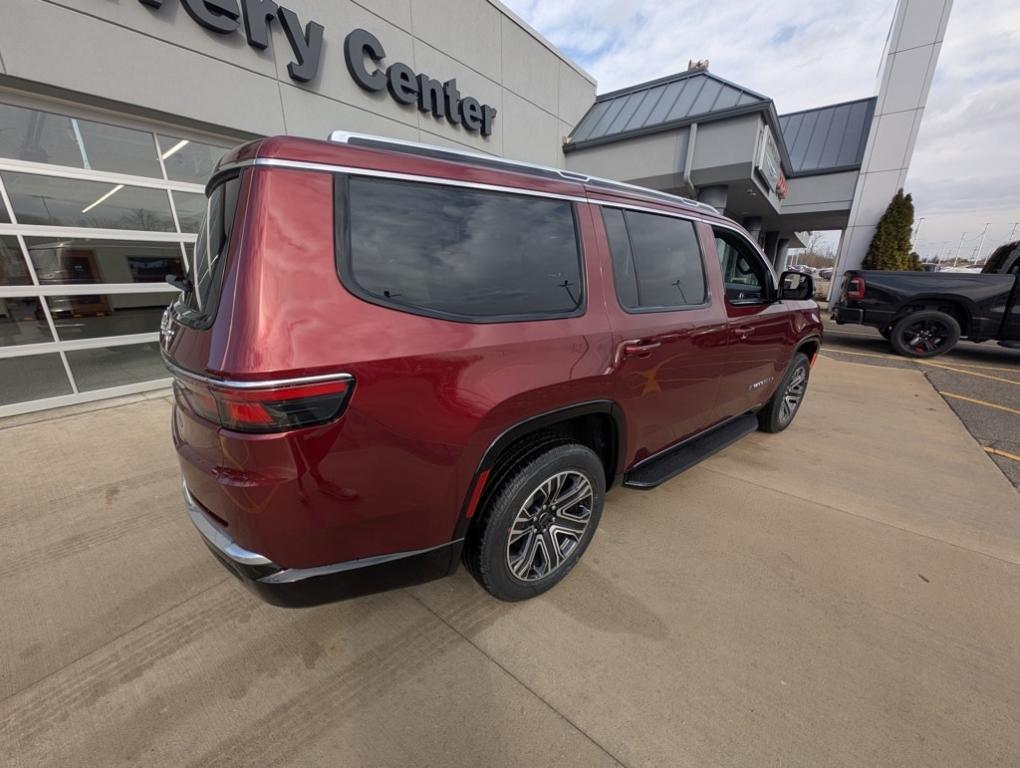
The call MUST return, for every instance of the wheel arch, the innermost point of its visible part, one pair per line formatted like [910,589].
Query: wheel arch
[810,346]
[959,307]
[597,424]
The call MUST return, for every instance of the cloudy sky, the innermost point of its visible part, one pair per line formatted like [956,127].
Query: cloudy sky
[966,168]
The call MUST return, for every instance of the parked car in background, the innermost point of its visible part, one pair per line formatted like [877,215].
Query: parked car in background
[924,314]
[825,273]
[391,356]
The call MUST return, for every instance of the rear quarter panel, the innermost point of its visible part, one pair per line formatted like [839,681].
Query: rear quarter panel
[430,396]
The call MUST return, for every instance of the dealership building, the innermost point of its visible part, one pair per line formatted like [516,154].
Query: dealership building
[113,114]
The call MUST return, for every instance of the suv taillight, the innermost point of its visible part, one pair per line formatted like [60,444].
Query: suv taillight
[855,289]
[273,409]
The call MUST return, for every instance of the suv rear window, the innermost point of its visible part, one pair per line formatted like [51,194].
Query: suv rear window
[197,307]
[458,254]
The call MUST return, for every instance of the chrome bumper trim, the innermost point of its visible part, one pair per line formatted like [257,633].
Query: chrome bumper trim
[219,539]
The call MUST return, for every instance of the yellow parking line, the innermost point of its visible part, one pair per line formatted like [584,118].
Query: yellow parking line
[969,373]
[953,367]
[996,406]
[1003,454]
[865,354]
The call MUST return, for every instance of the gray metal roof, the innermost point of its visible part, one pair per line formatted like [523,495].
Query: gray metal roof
[828,139]
[660,104]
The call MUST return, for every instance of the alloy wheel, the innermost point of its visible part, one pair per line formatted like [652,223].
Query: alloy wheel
[925,336]
[794,395]
[549,525]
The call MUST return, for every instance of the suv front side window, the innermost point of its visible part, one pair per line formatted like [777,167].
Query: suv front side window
[747,278]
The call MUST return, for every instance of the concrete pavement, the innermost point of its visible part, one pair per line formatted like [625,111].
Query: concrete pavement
[842,594]
[980,382]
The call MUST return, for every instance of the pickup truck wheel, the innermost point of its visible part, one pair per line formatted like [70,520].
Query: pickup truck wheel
[778,413]
[538,524]
[925,334]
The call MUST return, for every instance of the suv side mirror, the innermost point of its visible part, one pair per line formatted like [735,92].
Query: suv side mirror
[796,286]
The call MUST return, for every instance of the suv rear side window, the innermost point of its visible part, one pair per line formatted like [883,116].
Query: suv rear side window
[657,262]
[197,307]
[459,254]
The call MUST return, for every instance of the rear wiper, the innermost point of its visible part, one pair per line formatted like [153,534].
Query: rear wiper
[180,283]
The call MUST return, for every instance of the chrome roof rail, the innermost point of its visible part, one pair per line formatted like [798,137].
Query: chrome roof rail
[418,148]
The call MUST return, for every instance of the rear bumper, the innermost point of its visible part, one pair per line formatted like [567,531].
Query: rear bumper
[843,314]
[297,587]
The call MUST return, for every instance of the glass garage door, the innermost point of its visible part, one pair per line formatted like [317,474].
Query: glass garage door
[93,216]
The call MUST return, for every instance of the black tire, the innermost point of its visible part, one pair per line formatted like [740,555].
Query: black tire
[780,411]
[927,333]
[495,549]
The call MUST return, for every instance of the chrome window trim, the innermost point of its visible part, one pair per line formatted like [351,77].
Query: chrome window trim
[398,176]
[276,162]
[255,385]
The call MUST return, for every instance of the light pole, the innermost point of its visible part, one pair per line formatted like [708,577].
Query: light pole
[917,231]
[981,244]
[960,246]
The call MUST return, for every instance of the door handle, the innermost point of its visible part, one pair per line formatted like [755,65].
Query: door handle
[639,348]
[742,333]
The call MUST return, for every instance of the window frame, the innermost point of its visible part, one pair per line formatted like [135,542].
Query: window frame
[623,209]
[12,226]
[771,288]
[345,273]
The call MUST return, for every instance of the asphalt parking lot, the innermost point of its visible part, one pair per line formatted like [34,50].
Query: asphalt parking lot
[842,594]
[980,382]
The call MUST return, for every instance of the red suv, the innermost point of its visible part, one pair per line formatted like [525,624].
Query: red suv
[388,357]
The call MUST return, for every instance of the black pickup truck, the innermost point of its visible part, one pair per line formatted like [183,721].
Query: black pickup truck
[924,314]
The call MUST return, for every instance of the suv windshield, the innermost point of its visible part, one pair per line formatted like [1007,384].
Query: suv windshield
[198,306]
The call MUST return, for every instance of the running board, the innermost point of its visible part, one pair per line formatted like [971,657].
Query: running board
[1010,344]
[672,462]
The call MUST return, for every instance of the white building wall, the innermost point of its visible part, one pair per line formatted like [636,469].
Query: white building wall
[904,80]
[158,63]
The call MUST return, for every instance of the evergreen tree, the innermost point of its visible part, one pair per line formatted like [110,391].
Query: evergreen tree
[890,247]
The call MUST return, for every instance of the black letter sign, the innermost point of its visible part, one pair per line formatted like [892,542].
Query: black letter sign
[357,46]
[307,45]
[258,14]
[215,15]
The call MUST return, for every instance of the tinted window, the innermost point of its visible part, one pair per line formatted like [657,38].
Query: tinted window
[45,137]
[91,316]
[744,273]
[22,321]
[198,306]
[31,378]
[50,200]
[190,210]
[461,253]
[656,260]
[186,160]
[116,366]
[85,260]
[623,259]
[13,270]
